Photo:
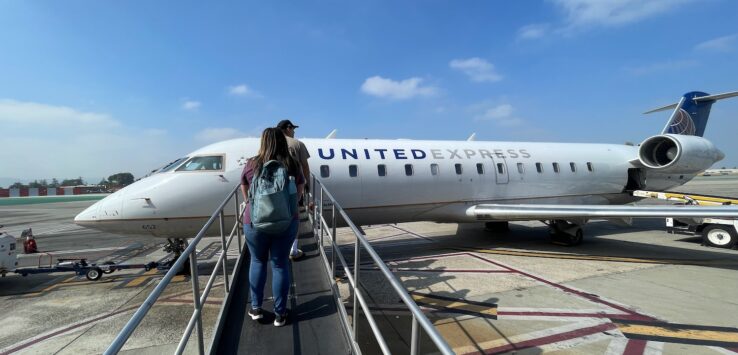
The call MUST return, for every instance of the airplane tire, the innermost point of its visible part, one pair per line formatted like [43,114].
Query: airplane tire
[497,227]
[567,239]
[719,236]
[93,274]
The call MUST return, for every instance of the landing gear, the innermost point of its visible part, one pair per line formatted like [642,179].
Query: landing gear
[177,246]
[565,233]
[497,227]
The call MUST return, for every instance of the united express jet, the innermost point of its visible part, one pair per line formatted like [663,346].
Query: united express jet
[386,181]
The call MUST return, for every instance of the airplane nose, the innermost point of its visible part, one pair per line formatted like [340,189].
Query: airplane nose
[87,216]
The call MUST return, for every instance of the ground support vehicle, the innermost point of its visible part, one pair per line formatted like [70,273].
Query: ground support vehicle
[92,271]
[715,232]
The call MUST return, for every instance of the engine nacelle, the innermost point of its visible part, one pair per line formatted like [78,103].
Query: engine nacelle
[676,153]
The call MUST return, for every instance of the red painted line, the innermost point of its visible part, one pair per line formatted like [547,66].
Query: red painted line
[62,331]
[635,347]
[441,270]
[555,338]
[583,315]
[588,296]
[735,350]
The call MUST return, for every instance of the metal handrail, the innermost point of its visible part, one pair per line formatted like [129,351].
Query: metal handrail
[198,299]
[320,227]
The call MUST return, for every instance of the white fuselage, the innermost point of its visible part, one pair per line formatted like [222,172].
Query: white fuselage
[177,203]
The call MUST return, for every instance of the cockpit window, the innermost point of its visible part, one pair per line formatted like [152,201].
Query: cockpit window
[204,163]
[171,165]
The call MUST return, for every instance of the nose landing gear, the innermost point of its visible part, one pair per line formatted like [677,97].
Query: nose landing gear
[177,246]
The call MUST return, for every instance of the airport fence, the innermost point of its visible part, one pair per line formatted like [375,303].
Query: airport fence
[323,201]
[199,299]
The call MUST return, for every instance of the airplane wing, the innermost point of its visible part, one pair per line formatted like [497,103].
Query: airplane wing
[498,212]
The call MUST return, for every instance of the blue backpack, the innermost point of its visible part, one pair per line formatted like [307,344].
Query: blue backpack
[273,198]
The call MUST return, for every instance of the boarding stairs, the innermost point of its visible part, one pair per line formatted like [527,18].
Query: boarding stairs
[319,321]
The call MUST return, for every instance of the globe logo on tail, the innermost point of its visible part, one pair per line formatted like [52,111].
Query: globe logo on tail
[682,123]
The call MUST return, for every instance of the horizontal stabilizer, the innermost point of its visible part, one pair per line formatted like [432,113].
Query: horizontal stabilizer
[496,212]
[717,97]
[667,107]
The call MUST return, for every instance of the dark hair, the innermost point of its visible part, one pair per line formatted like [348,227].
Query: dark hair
[274,147]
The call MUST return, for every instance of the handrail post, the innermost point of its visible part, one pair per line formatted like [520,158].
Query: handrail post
[414,337]
[333,242]
[196,300]
[224,250]
[238,221]
[356,288]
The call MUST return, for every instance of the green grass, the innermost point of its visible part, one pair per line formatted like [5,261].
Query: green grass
[12,201]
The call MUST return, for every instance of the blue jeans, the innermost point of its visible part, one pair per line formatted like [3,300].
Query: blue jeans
[275,247]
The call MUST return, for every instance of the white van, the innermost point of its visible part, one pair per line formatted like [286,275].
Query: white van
[8,253]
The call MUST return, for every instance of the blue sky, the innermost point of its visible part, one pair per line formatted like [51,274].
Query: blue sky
[94,88]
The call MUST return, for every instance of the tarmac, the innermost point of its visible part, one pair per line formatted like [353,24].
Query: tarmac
[625,290]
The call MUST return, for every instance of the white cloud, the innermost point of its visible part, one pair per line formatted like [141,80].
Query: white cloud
[477,69]
[586,13]
[720,44]
[58,141]
[666,66]
[533,31]
[32,113]
[501,114]
[580,15]
[191,105]
[210,135]
[398,90]
[243,90]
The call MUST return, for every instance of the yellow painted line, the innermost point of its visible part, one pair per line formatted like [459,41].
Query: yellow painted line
[179,278]
[141,279]
[682,333]
[456,305]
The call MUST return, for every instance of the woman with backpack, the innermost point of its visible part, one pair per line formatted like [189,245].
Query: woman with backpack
[271,182]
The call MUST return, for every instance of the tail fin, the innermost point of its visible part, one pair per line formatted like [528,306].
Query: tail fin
[691,113]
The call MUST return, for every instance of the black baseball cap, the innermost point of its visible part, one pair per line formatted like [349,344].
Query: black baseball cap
[284,124]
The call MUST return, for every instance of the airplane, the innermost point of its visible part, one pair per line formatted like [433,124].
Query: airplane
[389,181]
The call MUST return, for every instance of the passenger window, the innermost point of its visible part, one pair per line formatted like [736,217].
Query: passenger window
[500,168]
[325,171]
[556,167]
[208,163]
[521,169]
[573,167]
[590,167]
[409,169]
[434,169]
[539,167]
[480,168]
[353,171]
[458,169]
[12,246]
[382,170]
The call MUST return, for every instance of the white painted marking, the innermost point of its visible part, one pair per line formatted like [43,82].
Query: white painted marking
[653,348]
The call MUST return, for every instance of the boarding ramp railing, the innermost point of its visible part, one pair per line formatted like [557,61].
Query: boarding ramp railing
[199,299]
[323,200]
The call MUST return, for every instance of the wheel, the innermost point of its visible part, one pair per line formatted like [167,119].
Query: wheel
[111,269]
[93,274]
[566,239]
[499,227]
[718,235]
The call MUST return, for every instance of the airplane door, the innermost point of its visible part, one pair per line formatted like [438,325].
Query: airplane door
[500,167]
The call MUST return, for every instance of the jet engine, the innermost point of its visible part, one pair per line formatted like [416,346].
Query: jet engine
[675,153]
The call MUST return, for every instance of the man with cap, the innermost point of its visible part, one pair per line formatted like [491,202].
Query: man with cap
[299,152]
